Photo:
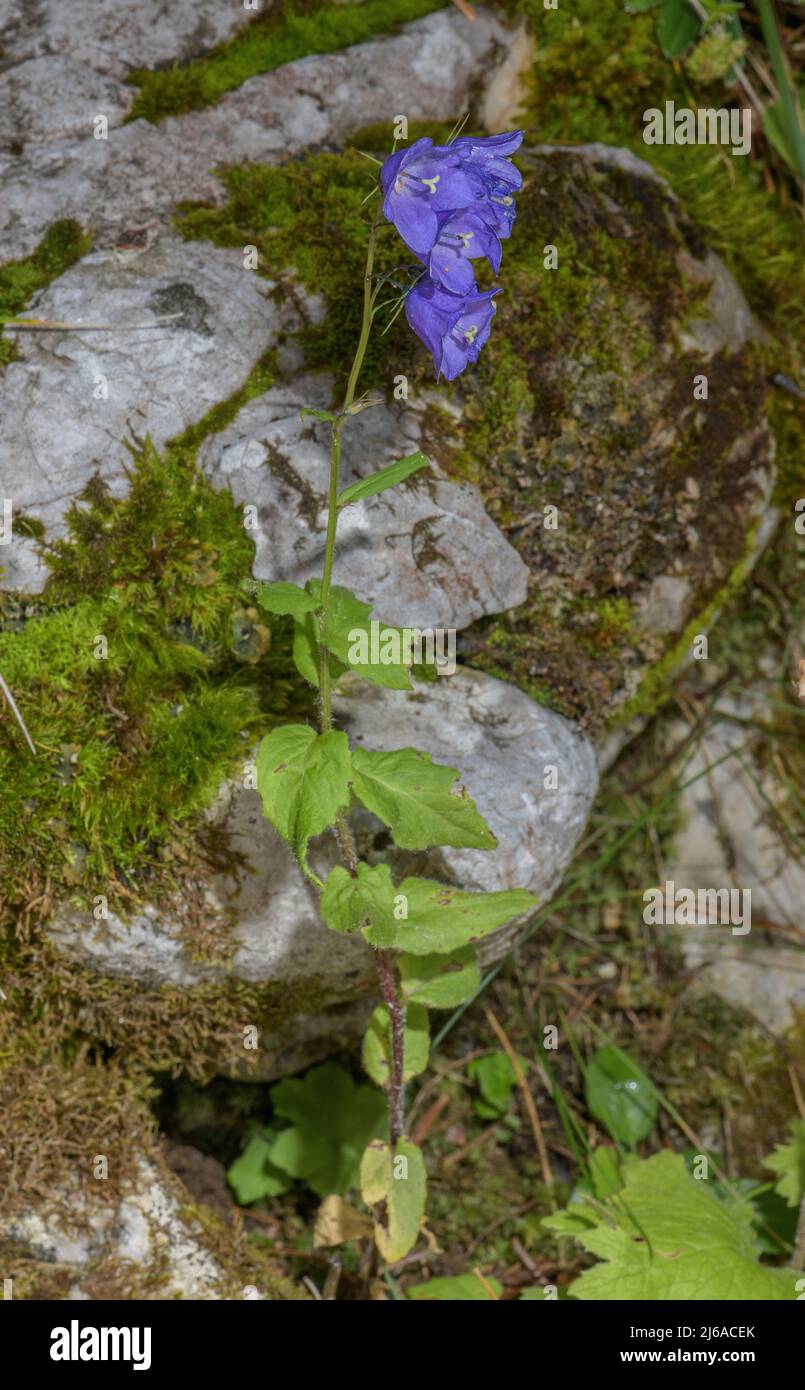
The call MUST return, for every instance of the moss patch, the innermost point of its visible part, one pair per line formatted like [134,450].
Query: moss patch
[142,678]
[289,31]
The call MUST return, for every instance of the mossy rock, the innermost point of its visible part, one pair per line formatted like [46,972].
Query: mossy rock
[584,400]
[634,503]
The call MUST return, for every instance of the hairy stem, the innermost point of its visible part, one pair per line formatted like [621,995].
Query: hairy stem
[388,984]
[346,843]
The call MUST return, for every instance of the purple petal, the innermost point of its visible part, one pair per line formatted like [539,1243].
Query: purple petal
[414,219]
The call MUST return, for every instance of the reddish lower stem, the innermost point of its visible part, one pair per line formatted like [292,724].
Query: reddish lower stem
[396,1008]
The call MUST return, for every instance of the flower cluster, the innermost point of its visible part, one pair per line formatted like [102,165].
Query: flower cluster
[451,204]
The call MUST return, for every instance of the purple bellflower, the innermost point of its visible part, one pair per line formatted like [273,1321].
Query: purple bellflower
[452,204]
[453,327]
[420,182]
[462,237]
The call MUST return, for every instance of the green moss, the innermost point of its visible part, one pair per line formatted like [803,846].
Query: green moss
[61,246]
[131,675]
[289,31]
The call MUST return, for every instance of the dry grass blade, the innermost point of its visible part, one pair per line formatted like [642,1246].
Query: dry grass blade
[15,711]
[528,1099]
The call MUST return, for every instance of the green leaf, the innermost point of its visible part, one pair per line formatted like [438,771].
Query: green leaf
[788,1160]
[677,27]
[496,1079]
[439,981]
[421,917]
[461,1288]
[359,904]
[639,6]
[384,478]
[286,599]
[666,1237]
[333,1120]
[377,1044]
[352,640]
[620,1095]
[253,1175]
[423,802]
[306,652]
[399,1181]
[303,779]
[441,919]
[324,415]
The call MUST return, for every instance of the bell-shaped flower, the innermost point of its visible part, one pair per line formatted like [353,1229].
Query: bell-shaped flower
[419,183]
[462,238]
[453,327]
[490,156]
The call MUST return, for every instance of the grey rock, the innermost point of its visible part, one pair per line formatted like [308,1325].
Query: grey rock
[146,1230]
[427,554]
[730,839]
[57,430]
[429,71]
[114,39]
[502,743]
[505,746]
[663,605]
[54,98]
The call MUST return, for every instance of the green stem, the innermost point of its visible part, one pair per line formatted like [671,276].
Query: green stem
[332,501]
[384,959]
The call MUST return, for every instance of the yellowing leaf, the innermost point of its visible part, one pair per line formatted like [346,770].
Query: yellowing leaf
[338,1222]
[398,1180]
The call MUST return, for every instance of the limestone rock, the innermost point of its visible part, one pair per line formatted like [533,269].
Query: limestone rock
[427,553]
[730,839]
[114,39]
[55,98]
[71,400]
[146,1233]
[429,71]
[503,745]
